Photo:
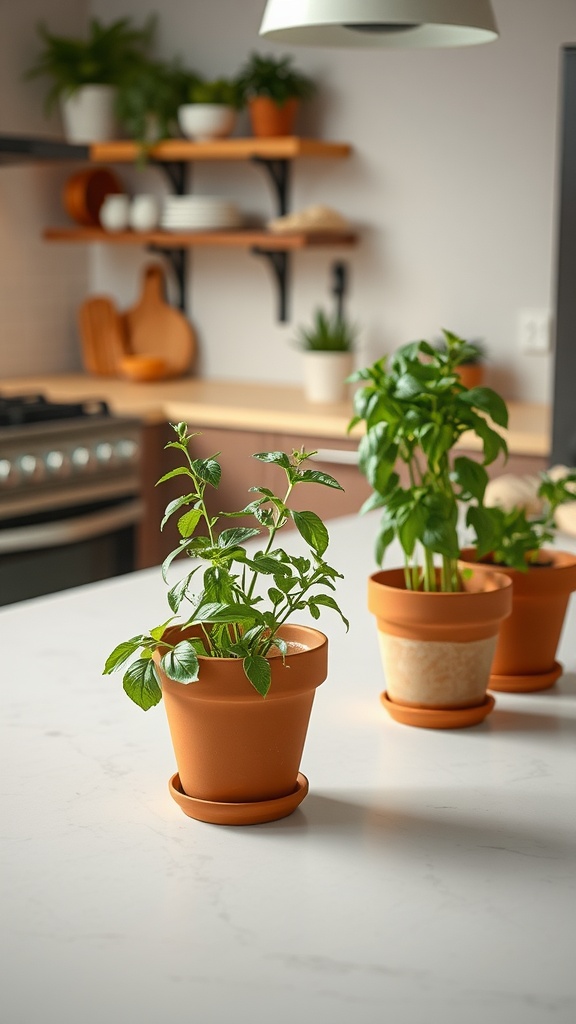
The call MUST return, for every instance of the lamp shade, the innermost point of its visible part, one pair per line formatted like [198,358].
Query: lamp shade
[396,24]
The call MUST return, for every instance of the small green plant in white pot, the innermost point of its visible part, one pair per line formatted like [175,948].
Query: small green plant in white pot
[85,74]
[210,109]
[327,347]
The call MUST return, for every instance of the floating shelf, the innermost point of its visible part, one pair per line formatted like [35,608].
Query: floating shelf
[289,147]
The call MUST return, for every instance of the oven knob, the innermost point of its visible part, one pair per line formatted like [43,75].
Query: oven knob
[57,463]
[126,449]
[80,458]
[8,473]
[31,468]
[104,453]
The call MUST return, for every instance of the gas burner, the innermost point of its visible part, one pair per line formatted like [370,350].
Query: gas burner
[18,410]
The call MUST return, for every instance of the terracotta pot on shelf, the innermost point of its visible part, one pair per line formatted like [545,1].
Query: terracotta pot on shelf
[525,657]
[437,648]
[238,753]
[268,119]
[471,374]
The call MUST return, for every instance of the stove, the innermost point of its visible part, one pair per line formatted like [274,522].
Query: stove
[70,482]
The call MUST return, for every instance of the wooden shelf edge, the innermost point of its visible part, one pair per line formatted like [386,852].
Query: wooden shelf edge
[282,148]
[246,239]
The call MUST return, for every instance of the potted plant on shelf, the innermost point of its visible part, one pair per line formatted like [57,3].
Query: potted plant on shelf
[514,540]
[328,354]
[473,357]
[86,73]
[149,97]
[238,679]
[209,111]
[437,625]
[273,90]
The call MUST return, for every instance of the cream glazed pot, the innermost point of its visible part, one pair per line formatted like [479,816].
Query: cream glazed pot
[437,648]
[325,375]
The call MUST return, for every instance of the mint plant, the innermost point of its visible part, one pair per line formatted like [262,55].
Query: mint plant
[235,620]
[416,410]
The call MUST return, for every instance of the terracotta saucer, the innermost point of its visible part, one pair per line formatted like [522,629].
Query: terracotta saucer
[443,718]
[527,684]
[216,813]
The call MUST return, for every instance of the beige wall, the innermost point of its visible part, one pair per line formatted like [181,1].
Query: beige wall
[452,186]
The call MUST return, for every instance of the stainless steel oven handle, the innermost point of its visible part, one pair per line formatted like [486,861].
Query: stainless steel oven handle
[70,531]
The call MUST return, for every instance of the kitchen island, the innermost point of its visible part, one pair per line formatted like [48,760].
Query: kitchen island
[428,876]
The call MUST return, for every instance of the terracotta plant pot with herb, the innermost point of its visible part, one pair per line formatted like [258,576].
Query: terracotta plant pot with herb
[512,541]
[437,625]
[238,679]
[273,90]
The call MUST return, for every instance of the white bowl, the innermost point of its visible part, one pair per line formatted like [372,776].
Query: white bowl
[206,120]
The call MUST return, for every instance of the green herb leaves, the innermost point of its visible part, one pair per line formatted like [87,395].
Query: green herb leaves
[416,410]
[235,602]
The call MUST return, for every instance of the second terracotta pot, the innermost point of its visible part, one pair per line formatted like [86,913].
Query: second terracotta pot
[269,120]
[236,749]
[437,648]
[525,657]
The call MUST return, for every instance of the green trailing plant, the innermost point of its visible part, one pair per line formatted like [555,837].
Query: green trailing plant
[222,91]
[512,537]
[149,95]
[236,620]
[102,58]
[415,411]
[327,334]
[274,77]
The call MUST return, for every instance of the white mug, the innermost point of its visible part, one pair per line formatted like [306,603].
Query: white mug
[115,211]
[144,213]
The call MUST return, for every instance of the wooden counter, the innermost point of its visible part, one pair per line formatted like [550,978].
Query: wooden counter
[238,405]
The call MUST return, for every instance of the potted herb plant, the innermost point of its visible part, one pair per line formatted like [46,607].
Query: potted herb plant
[237,677]
[327,348]
[437,625]
[515,541]
[149,97]
[85,74]
[209,111]
[273,90]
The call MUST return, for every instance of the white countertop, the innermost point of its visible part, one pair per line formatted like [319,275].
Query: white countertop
[429,876]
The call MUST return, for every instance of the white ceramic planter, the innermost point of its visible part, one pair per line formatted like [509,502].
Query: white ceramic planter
[88,114]
[206,120]
[325,375]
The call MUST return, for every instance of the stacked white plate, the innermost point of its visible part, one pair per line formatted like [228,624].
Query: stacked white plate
[199,213]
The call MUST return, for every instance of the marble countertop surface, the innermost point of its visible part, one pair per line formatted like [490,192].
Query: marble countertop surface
[428,876]
[242,405]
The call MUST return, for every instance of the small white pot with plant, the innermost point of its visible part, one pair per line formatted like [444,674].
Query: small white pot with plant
[86,73]
[210,111]
[327,356]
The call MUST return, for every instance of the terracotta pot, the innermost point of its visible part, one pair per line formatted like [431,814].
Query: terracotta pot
[471,374]
[236,750]
[437,648]
[525,657]
[268,119]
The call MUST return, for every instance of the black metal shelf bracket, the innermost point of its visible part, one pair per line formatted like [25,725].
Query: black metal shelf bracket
[178,260]
[280,264]
[177,173]
[279,173]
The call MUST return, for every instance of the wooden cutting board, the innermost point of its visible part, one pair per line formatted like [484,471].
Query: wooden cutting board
[102,335]
[154,328]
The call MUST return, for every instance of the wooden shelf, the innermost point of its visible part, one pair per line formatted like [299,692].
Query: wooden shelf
[246,239]
[176,150]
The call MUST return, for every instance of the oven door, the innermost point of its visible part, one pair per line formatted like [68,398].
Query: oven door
[47,552]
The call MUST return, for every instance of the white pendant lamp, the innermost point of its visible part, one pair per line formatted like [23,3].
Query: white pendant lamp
[396,24]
